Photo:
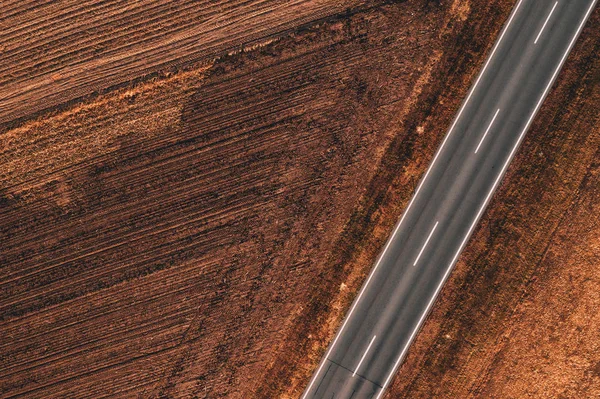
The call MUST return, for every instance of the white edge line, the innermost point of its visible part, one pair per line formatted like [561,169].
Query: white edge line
[426,242]
[487,130]
[324,360]
[545,22]
[364,355]
[387,381]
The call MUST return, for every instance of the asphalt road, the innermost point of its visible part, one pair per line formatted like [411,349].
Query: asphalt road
[450,199]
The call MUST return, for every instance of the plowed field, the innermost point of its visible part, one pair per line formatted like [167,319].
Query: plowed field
[171,238]
[191,193]
[56,52]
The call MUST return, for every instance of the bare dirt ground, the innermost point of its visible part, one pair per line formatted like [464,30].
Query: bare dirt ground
[56,52]
[171,238]
[197,227]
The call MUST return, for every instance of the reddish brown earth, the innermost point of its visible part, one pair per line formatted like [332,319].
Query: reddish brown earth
[55,52]
[179,222]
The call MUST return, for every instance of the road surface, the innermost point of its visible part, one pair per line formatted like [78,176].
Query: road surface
[466,170]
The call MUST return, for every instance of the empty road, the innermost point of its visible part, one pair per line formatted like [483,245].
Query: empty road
[449,201]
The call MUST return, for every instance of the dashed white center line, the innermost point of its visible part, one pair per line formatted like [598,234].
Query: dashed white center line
[364,355]
[545,22]
[487,130]
[424,245]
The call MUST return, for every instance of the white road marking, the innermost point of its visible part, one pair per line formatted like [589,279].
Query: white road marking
[391,239]
[487,130]
[545,22]
[424,245]
[511,155]
[364,355]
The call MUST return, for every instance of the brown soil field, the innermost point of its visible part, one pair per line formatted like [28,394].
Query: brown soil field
[56,52]
[189,204]
[172,237]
